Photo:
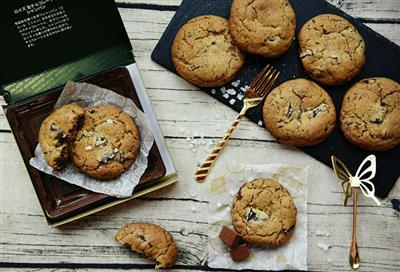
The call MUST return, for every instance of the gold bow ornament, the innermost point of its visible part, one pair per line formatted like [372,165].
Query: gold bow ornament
[350,184]
[361,180]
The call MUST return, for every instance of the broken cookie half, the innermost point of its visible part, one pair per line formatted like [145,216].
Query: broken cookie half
[57,131]
[151,240]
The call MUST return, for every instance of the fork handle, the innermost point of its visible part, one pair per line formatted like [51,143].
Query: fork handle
[202,172]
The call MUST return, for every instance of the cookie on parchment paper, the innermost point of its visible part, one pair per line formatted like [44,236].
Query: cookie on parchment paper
[57,132]
[263,213]
[108,143]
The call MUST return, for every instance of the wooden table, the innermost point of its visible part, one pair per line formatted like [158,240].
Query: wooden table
[28,244]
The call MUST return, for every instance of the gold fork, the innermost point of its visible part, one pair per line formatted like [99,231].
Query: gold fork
[256,92]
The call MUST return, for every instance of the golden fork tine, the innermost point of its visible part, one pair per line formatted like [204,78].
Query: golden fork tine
[258,77]
[265,79]
[253,97]
[265,89]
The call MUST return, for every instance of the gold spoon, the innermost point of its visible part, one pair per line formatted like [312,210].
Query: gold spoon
[354,257]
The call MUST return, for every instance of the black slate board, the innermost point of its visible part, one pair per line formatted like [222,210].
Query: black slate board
[383,59]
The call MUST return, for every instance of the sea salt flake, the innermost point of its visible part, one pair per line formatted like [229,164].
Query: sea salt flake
[244,89]
[225,95]
[223,90]
[232,101]
[213,91]
[235,83]
[192,194]
[231,91]
[109,121]
[323,247]
[184,232]
[260,123]
[88,147]
[193,209]
[239,96]
[219,205]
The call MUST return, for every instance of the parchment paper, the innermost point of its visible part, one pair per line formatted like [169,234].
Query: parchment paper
[85,95]
[293,255]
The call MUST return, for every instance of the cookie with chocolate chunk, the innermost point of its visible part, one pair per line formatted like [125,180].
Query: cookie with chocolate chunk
[370,114]
[299,112]
[263,213]
[57,132]
[204,54]
[151,240]
[108,143]
[331,49]
[263,27]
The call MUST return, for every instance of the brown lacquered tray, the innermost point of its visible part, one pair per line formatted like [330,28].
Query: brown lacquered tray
[59,199]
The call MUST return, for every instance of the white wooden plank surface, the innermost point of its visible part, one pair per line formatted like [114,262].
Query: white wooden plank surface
[26,239]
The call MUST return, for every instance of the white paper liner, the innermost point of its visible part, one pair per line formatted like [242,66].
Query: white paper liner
[293,255]
[85,95]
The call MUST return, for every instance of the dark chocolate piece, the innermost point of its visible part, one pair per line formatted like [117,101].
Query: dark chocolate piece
[240,253]
[229,237]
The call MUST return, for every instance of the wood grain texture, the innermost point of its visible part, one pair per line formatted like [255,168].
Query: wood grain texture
[182,111]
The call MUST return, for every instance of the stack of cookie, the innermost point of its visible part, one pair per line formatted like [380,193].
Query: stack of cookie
[209,51]
[102,141]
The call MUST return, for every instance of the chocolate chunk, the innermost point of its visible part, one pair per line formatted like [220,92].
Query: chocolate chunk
[121,156]
[229,237]
[53,127]
[107,157]
[289,111]
[100,140]
[315,112]
[251,215]
[240,253]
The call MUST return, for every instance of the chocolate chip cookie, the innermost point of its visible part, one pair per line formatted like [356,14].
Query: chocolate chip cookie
[108,143]
[150,240]
[204,54]
[299,112]
[57,131]
[370,114]
[263,212]
[331,49]
[263,27]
